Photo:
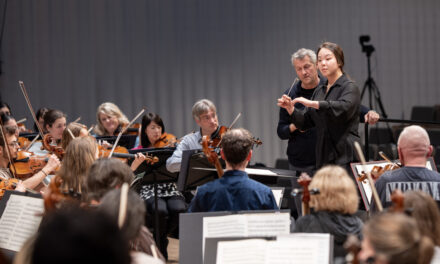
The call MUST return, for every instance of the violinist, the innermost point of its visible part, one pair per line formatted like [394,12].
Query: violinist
[234,191]
[5,108]
[40,118]
[393,238]
[9,122]
[110,120]
[5,173]
[170,201]
[54,123]
[334,207]
[414,149]
[77,130]
[79,157]
[204,113]
[153,133]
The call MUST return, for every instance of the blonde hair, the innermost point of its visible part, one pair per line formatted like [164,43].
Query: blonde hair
[424,210]
[337,192]
[395,238]
[112,110]
[75,128]
[78,158]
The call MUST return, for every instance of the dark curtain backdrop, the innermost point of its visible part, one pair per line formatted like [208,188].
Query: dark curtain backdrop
[166,54]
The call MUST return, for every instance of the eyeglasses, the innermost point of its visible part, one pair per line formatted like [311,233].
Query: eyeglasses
[14,144]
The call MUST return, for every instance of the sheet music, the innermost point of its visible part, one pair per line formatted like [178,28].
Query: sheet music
[313,248]
[289,249]
[260,172]
[245,225]
[249,251]
[19,221]
[278,195]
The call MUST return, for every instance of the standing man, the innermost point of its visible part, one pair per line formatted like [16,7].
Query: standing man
[302,144]
[234,191]
[414,149]
[204,113]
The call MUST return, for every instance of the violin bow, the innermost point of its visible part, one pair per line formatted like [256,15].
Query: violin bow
[230,126]
[76,120]
[123,205]
[123,130]
[370,179]
[21,120]
[28,102]
[32,142]
[388,159]
[7,146]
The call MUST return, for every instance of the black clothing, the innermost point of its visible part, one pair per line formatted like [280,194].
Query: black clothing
[301,145]
[336,122]
[332,223]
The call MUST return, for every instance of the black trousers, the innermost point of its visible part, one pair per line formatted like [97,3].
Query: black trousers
[168,211]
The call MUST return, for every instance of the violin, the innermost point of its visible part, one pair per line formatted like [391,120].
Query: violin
[131,130]
[7,184]
[397,200]
[54,196]
[377,171]
[123,154]
[27,164]
[211,155]
[166,140]
[47,145]
[304,182]
[23,142]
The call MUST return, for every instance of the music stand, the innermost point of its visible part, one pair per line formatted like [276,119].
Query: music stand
[154,174]
[190,178]
[127,141]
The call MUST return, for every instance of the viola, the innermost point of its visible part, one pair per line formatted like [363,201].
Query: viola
[47,145]
[166,140]
[211,155]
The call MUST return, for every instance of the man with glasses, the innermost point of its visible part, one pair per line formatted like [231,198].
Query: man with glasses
[205,114]
[10,140]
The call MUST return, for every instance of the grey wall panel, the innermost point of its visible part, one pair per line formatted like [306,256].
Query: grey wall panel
[166,54]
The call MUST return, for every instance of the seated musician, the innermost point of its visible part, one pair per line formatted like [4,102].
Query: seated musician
[5,108]
[75,130]
[394,238]
[40,118]
[170,201]
[153,133]
[54,123]
[334,207]
[106,175]
[234,191]
[133,224]
[5,173]
[110,120]
[78,158]
[204,113]
[414,150]
[9,121]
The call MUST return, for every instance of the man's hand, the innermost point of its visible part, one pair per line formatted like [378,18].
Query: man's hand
[286,103]
[371,117]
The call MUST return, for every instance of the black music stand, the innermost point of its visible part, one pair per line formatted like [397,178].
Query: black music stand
[190,177]
[154,174]
[127,141]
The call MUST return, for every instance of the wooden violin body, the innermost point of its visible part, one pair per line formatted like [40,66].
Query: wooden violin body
[211,155]
[166,140]
[27,164]
[7,184]
[47,145]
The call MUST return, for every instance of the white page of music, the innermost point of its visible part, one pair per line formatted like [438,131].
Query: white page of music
[308,248]
[20,220]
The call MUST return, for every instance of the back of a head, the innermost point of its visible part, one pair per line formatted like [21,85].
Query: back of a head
[337,192]
[71,129]
[106,174]
[414,140]
[424,210]
[236,144]
[77,236]
[135,213]
[396,239]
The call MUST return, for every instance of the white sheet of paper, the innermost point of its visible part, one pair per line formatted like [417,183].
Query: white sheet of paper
[249,251]
[20,220]
[260,172]
[277,194]
[308,248]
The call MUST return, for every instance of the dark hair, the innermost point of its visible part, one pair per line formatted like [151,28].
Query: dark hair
[134,218]
[51,116]
[5,118]
[336,50]
[73,235]
[4,104]
[106,174]
[40,113]
[146,120]
[236,144]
